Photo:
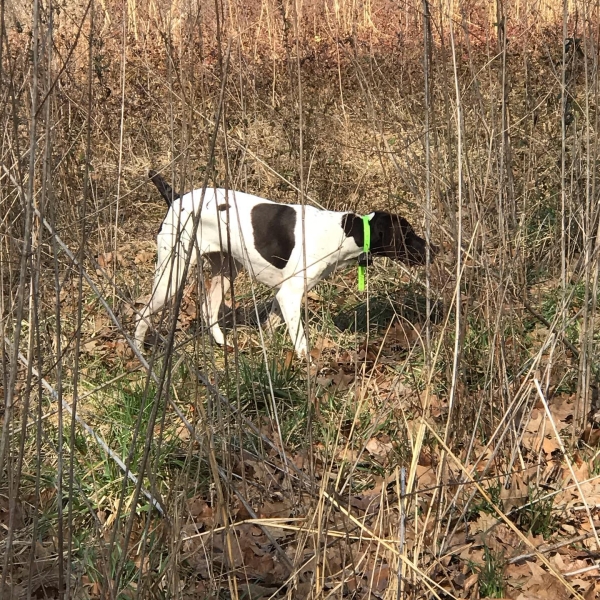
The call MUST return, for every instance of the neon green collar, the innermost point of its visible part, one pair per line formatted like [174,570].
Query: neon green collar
[363,259]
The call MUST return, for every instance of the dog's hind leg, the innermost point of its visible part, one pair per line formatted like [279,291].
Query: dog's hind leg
[289,298]
[169,273]
[223,272]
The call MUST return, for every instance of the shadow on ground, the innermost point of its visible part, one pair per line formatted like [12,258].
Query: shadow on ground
[376,313]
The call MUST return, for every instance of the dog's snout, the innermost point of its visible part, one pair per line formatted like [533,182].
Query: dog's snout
[417,251]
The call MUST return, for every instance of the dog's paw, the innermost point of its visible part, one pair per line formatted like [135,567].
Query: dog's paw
[218,335]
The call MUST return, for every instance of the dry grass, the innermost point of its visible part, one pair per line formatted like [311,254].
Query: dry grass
[445,445]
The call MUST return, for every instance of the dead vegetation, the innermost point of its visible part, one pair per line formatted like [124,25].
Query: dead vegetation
[445,445]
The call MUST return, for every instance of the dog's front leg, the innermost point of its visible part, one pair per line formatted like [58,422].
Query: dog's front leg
[289,299]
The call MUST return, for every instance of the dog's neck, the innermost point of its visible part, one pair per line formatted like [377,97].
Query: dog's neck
[354,228]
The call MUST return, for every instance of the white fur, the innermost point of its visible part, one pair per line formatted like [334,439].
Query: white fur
[327,248]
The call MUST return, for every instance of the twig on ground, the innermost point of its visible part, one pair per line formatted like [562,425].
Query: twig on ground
[549,548]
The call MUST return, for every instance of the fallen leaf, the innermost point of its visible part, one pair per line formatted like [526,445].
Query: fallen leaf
[324,343]
[369,502]
[426,476]
[484,523]
[471,581]
[91,347]
[378,448]
[342,380]
[183,433]
[549,445]
[108,258]
[378,578]
[347,455]
[402,335]
[315,353]
[515,495]
[593,591]
[144,256]
[289,359]
[590,436]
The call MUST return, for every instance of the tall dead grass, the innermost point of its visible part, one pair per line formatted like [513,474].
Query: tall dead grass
[477,121]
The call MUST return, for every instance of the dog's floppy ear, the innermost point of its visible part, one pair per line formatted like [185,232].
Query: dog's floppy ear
[380,227]
[353,227]
[387,233]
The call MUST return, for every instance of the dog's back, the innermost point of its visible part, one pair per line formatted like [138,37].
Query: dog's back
[264,236]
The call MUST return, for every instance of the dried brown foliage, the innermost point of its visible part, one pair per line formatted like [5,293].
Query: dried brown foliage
[444,443]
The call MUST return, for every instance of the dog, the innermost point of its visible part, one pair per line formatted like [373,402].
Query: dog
[266,238]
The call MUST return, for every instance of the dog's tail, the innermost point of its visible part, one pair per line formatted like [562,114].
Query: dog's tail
[166,191]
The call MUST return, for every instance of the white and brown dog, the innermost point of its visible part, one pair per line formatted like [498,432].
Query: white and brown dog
[266,238]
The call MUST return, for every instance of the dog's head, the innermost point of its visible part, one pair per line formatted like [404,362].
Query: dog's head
[393,236]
